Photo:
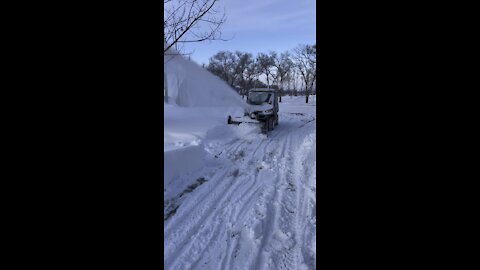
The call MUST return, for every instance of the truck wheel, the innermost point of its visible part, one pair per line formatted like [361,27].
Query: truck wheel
[265,127]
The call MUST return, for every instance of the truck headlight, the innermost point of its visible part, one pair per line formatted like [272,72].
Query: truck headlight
[268,111]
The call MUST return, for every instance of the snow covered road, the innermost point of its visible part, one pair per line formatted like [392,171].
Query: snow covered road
[252,206]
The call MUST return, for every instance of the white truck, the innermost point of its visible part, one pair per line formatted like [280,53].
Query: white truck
[262,109]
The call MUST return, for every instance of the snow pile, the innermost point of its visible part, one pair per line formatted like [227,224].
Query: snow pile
[190,85]
[185,126]
[249,132]
[199,104]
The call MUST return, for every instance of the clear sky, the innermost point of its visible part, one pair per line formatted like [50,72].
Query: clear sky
[260,26]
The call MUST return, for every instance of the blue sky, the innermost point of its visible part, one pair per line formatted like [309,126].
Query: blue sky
[260,26]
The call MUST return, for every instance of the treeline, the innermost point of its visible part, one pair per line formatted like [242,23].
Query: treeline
[291,72]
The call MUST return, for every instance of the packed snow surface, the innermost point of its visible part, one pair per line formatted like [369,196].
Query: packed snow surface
[236,198]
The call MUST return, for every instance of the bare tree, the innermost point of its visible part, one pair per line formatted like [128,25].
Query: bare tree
[293,79]
[266,64]
[223,65]
[245,69]
[283,64]
[252,73]
[305,62]
[190,21]
[241,70]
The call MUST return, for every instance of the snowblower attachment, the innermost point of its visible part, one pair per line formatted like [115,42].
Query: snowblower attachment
[239,120]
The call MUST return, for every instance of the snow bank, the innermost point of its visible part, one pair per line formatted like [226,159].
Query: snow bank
[186,126]
[199,104]
[181,161]
[190,85]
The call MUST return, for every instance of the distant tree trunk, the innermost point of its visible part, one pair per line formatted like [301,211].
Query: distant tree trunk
[280,91]
[292,87]
[306,94]
[310,89]
[165,86]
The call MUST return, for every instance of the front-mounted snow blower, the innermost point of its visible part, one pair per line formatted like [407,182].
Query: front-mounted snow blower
[262,109]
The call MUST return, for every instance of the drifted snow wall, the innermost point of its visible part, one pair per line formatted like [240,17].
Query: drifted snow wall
[190,85]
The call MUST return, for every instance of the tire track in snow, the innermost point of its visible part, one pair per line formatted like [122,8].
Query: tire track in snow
[272,212]
[187,223]
[280,248]
[307,201]
[206,219]
[286,237]
[233,246]
[272,205]
[217,235]
[180,253]
[242,209]
[187,209]
[255,210]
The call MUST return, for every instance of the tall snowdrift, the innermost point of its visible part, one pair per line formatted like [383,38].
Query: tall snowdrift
[190,85]
[198,103]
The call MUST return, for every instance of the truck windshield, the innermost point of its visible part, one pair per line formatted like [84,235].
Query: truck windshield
[258,98]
